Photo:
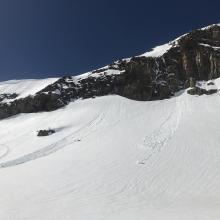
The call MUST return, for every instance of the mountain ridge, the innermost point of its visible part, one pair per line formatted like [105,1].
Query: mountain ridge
[154,75]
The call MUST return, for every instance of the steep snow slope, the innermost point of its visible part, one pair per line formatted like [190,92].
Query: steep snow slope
[114,158]
[158,51]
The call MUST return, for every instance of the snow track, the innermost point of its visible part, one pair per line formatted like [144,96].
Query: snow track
[4,150]
[75,137]
[113,158]
[164,132]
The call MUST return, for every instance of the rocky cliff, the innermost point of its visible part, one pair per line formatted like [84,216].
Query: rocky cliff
[154,75]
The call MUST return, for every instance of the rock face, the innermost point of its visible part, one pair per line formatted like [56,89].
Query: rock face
[191,57]
[7,96]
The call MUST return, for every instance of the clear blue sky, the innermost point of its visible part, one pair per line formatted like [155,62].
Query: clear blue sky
[46,38]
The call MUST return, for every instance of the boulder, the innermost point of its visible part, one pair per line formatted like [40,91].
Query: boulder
[42,133]
[200,91]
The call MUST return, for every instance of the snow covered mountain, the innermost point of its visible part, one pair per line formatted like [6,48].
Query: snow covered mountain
[154,75]
[112,156]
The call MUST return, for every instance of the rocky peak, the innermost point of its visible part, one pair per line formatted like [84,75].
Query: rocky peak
[157,74]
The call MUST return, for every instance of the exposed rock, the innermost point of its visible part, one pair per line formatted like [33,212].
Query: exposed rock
[8,96]
[192,82]
[200,91]
[42,133]
[210,83]
[194,56]
[31,104]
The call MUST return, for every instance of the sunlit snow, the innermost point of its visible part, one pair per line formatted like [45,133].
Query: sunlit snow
[113,158]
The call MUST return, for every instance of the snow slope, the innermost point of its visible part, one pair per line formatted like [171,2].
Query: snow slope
[113,159]
[158,51]
[25,87]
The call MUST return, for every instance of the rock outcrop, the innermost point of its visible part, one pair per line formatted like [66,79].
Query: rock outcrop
[43,133]
[8,96]
[199,91]
[191,57]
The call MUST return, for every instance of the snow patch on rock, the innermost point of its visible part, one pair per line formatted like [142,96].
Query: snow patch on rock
[158,51]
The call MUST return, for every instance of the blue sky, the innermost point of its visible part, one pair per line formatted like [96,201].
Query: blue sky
[46,38]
